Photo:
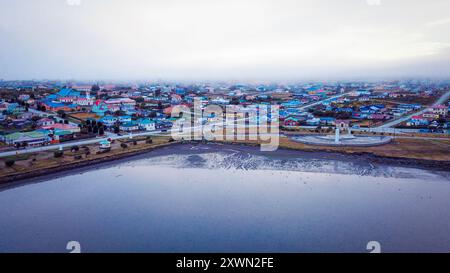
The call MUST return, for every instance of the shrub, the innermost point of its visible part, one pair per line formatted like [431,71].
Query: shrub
[123,145]
[58,154]
[9,162]
[75,148]
[135,142]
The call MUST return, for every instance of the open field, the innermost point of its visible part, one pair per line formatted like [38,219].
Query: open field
[44,162]
[422,149]
[84,116]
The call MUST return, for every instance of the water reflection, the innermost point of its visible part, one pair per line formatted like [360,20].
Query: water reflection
[230,199]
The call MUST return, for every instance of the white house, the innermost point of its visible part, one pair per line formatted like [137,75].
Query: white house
[45,122]
[129,127]
[147,124]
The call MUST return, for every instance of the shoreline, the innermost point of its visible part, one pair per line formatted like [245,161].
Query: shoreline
[22,178]
[428,164]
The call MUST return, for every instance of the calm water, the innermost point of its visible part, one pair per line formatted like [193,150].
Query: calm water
[230,199]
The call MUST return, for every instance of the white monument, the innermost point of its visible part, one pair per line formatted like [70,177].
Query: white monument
[336,136]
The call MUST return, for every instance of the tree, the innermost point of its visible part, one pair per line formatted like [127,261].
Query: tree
[60,113]
[123,145]
[101,131]
[66,121]
[120,113]
[116,130]
[9,163]
[95,88]
[58,154]
[75,148]
[95,129]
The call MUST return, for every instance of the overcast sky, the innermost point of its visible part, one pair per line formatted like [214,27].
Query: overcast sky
[224,39]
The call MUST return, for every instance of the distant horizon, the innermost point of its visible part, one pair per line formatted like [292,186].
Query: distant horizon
[232,81]
[218,40]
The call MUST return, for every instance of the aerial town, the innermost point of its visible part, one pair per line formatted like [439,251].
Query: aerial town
[85,118]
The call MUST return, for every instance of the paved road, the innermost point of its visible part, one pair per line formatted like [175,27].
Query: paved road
[325,100]
[441,100]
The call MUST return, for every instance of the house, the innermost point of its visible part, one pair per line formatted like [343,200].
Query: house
[378,116]
[124,119]
[68,92]
[327,120]
[418,121]
[430,115]
[291,121]
[24,97]
[4,106]
[15,108]
[56,106]
[84,101]
[364,98]
[129,127]
[45,122]
[313,121]
[33,138]
[220,101]
[100,108]
[147,124]
[62,135]
[121,104]
[27,115]
[168,111]
[440,110]
[63,127]
[176,99]
[108,121]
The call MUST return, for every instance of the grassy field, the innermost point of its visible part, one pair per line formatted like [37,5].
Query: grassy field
[30,163]
[438,150]
[84,116]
